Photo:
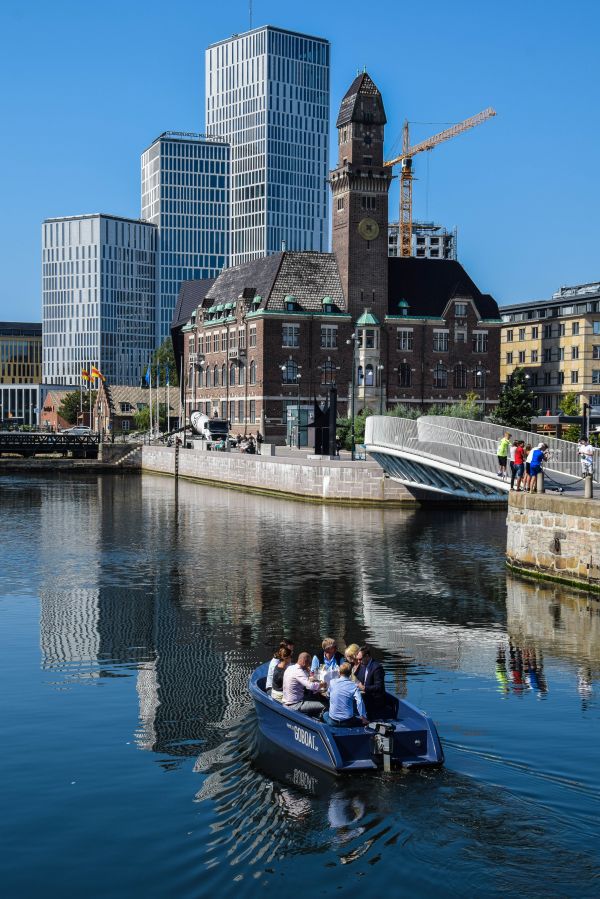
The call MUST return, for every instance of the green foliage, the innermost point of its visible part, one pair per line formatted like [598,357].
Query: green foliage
[70,408]
[515,408]
[142,417]
[467,408]
[571,433]
[162,357]
[569,405]
[344,429]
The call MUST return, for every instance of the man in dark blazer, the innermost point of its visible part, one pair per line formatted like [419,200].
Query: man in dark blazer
[371,682]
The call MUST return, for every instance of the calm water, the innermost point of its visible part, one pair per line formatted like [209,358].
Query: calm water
[129,623]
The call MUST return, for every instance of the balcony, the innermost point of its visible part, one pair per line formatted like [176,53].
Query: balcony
[236,353]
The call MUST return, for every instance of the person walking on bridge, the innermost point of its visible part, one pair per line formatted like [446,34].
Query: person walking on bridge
[502,453]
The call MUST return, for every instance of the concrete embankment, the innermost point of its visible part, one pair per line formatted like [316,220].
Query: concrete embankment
[555,537]
[330,481]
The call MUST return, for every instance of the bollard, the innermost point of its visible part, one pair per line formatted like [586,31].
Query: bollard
[588,487]
[540,483]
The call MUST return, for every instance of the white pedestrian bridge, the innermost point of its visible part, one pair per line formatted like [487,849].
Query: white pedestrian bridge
[457,457]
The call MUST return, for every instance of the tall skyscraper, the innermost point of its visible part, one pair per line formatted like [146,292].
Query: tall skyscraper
[185,193]
[98,297]
[267,95]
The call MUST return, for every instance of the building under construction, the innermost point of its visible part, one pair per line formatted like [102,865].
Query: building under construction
[429,241]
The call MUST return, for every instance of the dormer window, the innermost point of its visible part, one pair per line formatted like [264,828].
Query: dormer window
[290,303]
[460,310]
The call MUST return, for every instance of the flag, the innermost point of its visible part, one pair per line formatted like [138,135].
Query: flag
[97,374]
[85,375]
[147,376]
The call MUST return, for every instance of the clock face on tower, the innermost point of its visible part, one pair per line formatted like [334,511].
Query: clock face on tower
[368,229]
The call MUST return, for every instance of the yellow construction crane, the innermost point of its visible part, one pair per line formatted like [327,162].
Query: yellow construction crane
[406,176]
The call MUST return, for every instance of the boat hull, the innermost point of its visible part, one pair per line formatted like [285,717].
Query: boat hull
[354,749]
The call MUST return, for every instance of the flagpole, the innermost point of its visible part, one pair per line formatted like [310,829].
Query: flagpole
[168,405]
[90,388]
[150,386]
[158,399]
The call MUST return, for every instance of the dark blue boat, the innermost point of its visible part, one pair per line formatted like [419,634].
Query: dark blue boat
[406,738]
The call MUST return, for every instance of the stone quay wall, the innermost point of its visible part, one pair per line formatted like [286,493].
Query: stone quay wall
[555,537]
[311,479]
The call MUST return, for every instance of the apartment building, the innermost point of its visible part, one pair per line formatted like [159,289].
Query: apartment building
[557,343]
[429,241]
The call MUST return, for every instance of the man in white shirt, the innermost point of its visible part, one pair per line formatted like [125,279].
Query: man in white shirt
[587,457]
[297,688]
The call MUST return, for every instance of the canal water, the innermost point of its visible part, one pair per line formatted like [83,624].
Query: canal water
[130,619]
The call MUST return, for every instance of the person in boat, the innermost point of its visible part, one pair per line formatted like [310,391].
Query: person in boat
[371,683]
[299,690]
[284,658]
[346,706]
[286,643]
[350,656]
[328,660]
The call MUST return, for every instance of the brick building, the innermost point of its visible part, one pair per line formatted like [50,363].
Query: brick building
[116,407]
[279,331]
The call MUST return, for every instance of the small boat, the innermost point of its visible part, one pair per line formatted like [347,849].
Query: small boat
[406,738]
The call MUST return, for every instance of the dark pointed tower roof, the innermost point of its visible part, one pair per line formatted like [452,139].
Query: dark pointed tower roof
[363,87]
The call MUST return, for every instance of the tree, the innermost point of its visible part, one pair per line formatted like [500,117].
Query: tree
[344,429]
[162,357]
[515,407]
[70,408]
[142,417]
[569,404]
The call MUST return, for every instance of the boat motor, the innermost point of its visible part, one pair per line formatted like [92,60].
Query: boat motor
[382,742]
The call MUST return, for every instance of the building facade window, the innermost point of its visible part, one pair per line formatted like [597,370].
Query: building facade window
[328,373]
[521,333]
[232,375]
[521,357]
[574,352]
[548,354]
[242,375]
[547,378]
[404,339]
[509,358]
[290,372]
[329,337]
[440,341]
[440,377]
[560,377]
[535,332]
[369,338]
[575,329]
[290,335]
[574,377]
[252,413]
[561,353]
[369,376]
[534,355]
[480,341]
[253,372]
[404,375]
[223,341]
[216,376]
[460,310]
[547,331]
[596,376]
[252,336]
[460,376]
[509,335]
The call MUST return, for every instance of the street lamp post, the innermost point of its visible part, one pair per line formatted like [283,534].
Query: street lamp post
[298,376]
[380,368]
[352,341]
[482,373]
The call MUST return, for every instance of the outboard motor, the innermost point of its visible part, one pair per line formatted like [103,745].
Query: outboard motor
[383,741]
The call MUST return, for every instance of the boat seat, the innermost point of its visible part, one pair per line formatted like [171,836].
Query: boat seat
[392,704]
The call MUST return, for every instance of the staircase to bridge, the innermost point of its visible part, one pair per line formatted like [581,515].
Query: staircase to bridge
[457,457]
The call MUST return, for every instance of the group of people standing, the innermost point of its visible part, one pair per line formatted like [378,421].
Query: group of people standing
[526,462]
[344,690]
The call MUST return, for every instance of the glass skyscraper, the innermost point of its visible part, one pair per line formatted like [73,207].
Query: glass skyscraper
[98,297]
[267,95]
[185,193]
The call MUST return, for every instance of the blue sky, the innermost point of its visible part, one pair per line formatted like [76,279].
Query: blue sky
[87,86]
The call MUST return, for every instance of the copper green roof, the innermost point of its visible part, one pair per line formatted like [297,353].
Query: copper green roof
[367,318]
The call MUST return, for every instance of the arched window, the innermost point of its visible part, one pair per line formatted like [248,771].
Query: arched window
[404,375]
[440,377]
[480,379]
[232,375]
[369,376]
[216,375]
[224,375]
[242,375]
[253,372]
[200,377]
[328,372]
[460,376]
[208,370]
[290,372]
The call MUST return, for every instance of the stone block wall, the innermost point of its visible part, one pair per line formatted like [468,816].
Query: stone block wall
[556,537]
[326,481]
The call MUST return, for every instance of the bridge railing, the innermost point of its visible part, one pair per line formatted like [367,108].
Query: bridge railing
[465,443]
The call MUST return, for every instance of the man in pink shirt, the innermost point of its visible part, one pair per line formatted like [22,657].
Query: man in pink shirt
[297,687]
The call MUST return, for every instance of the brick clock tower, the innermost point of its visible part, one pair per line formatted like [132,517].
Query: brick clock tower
[360,187]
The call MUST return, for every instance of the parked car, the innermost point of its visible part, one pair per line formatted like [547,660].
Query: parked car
[78,430]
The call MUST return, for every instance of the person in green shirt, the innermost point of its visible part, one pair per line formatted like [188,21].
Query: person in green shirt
[502,453]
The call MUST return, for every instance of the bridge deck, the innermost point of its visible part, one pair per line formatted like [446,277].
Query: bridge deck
[31,443]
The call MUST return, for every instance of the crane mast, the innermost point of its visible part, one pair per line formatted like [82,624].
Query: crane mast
[406,174]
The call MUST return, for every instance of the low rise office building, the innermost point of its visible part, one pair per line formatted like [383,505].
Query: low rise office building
[557,344]
[20,372]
